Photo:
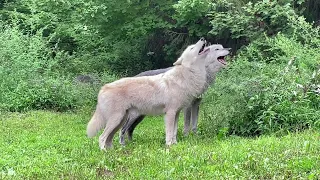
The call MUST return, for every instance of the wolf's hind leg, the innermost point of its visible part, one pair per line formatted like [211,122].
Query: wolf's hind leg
[132,121]
[176,127]
[113,125]
[123,131]
[133,126]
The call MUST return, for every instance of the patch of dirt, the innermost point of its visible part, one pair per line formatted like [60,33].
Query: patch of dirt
[102,171]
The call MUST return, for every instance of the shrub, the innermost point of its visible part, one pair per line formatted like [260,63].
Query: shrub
[251,21]
[31,77]
[258,97]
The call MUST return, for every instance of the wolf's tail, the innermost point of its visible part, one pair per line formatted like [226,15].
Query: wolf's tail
[96,123]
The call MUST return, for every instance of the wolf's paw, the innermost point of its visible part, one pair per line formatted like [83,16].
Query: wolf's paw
[104,145]
[171,142]
[185,133]
[122,141]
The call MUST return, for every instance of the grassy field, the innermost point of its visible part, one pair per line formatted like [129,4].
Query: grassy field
[47,145]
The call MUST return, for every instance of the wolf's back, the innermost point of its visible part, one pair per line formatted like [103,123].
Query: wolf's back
[153,72]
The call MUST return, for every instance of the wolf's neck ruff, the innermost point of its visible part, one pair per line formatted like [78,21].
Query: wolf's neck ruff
[211,76]
[191,81]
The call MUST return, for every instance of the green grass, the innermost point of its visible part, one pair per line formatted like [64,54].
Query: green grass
[47,145]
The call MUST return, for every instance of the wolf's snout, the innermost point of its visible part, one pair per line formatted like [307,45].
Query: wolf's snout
[202,39]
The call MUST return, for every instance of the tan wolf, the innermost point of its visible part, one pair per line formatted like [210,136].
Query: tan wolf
[165,93]
[213,65]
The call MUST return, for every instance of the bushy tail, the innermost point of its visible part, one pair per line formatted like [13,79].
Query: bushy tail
[96,123]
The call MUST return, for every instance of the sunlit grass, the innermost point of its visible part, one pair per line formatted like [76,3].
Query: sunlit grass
[46,145]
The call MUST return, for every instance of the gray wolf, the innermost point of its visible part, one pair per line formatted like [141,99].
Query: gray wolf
[165,93]
[213,65]
[153,72]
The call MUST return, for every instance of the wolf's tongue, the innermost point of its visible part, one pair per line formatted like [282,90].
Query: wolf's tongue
[222,60]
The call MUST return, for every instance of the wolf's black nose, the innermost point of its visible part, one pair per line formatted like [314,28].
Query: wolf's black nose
[202,39]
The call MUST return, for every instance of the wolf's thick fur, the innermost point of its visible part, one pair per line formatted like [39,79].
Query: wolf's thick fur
[165,93]
[191,112]
[153,72]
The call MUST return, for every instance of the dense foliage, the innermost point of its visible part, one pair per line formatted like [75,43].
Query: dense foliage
[253,98]
[273,86]
[57,54]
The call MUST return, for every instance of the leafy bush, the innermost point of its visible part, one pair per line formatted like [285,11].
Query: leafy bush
[192,14]
[252,20]
[257,97]
[31,78]
[261,92]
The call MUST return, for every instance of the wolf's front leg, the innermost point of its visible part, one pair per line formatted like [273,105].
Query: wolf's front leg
[176,127]
[187,117]
[170,127]
[195,114]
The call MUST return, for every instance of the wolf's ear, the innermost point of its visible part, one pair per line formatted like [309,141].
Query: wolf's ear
[178,62]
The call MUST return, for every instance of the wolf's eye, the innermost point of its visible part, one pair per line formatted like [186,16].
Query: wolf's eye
[217,49]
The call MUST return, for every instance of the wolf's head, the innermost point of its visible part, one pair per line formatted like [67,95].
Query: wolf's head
[195,53]
[216,56]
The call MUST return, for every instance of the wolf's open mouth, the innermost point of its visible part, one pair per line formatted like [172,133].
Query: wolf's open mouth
[222,60]
[203,49]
